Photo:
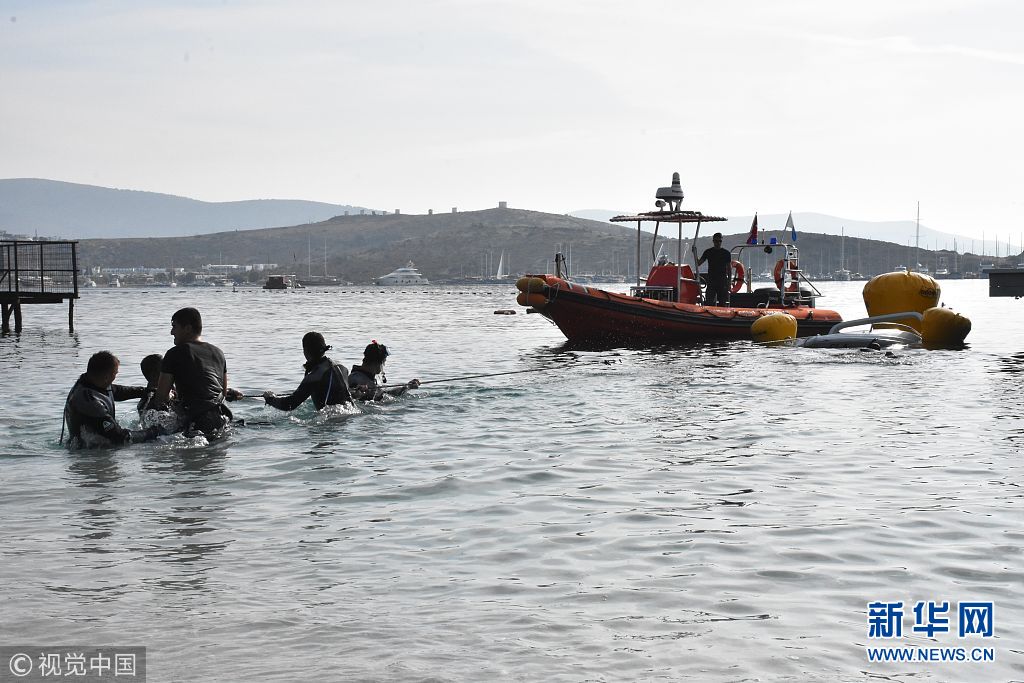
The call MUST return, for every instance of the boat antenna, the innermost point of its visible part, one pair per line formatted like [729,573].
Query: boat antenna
[671,196]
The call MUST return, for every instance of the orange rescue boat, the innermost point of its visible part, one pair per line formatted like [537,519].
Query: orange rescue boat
[668,306]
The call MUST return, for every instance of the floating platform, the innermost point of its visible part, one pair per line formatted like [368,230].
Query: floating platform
[1006,282]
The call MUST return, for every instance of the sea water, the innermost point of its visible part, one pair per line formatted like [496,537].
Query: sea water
[717,512]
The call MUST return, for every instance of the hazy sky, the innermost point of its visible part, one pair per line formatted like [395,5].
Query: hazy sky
[855,109]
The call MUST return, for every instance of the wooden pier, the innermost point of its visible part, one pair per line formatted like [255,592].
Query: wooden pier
[32,272]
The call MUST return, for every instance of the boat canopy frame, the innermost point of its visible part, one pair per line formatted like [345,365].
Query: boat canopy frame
[670,216]
[790,254]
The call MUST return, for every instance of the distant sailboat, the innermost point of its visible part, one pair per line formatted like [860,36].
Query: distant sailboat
[842,274]
[502,268]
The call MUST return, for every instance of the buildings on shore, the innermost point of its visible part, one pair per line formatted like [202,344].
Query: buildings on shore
[210,275]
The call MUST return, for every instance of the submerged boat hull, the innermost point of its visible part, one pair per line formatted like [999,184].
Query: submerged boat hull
[594,316]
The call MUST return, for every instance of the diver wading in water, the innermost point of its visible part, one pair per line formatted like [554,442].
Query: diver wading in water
[363,378]
[325,381]
[89,410]
[199,374]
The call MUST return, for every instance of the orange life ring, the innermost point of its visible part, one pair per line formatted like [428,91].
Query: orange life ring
[780,265]
[737,276]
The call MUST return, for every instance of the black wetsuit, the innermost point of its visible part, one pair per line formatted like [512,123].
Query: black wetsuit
[374,392]
[325,381]
[359,377]
[89,413]
[719,261]
[199,369]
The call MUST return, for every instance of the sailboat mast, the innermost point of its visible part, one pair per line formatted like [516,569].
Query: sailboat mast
[842,248]
[917,239]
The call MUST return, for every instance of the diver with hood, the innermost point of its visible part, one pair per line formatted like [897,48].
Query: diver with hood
[363,378]
[325,381]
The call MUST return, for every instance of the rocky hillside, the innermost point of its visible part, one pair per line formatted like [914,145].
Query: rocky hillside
[447,246]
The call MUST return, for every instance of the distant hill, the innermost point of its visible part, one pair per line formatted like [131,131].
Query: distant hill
[898,232]
[362,247]
[71,211]
[469,244]
[125,228]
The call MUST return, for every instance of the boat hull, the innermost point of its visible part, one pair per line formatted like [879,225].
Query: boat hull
[588,315]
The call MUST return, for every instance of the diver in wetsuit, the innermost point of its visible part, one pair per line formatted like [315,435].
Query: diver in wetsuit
[89,410]
[363,378]
[150,367]
[325,381]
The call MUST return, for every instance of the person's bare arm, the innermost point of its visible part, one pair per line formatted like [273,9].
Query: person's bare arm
[163,389]
[231,394]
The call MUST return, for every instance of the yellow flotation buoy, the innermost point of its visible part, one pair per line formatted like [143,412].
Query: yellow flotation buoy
[530,285]
[942,327]
[527,299]
[773,328]
[901,292]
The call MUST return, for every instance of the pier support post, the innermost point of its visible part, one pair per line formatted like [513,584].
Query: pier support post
[71,316]
[5,318]
[17,318]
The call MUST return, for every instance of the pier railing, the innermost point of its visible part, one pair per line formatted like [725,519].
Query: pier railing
[37,273]
[38,268]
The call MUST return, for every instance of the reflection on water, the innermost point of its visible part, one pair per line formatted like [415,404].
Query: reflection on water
[188,515]
[97,516]
[93,468]
[1008,398]
[1013,363]
[718,512]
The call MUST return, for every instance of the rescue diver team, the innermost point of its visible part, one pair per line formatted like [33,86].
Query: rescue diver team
[191,380]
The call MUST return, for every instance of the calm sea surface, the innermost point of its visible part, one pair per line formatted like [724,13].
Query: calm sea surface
[715,513]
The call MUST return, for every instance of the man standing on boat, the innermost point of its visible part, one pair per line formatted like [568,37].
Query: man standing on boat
[719,264]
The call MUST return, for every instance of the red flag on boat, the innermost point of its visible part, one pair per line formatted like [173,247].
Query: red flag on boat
[752,237]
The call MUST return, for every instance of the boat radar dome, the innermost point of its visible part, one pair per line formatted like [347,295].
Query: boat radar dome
[673,195]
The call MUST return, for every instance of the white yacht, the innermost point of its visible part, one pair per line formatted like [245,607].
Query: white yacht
[402,276]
